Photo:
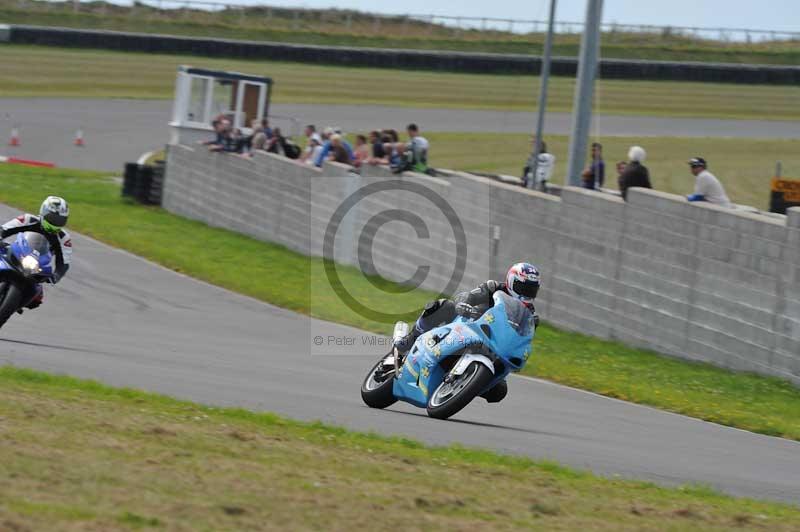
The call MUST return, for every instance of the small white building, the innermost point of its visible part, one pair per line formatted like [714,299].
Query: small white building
[202,95]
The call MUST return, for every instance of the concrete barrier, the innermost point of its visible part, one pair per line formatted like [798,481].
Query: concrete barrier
[404,59]
[690,280]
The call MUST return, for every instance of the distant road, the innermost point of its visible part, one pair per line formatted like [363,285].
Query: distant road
[117,131]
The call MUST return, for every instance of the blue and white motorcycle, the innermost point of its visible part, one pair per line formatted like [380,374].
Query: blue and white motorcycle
[451,365]
[24,264]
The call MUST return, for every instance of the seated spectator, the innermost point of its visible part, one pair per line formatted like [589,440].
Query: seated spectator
[361,151]
[706,187]
[636,174]
[337,152]
[260,135]
[594,175]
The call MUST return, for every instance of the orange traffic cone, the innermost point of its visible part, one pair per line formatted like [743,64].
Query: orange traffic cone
[78,138]
[14,140]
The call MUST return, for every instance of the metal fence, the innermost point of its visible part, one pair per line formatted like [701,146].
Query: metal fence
[303,18]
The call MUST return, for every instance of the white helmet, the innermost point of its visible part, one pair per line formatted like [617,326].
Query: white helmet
[53,214]
[637,153]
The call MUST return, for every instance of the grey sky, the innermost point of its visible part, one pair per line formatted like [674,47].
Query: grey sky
[781,15]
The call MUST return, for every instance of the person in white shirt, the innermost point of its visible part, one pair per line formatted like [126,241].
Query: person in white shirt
[707,187]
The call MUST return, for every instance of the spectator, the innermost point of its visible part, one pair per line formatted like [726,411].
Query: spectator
[229,140]
[313,143]
[377,146]
[706,187]
[261,134]
[219,125]
[337,152]
[411,155]
[635,174]
[361,151]
[313,150]
[545,163]
[594,175]
[326,147]
[621,165]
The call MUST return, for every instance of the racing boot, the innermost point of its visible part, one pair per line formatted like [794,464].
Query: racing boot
[497,393]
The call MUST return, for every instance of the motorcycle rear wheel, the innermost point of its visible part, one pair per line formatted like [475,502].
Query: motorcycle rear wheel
[378,394]
[449,398]
[10,299]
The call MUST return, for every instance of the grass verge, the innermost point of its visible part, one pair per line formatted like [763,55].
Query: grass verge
[751,402]
[30,71]
[340,28]
[80,455]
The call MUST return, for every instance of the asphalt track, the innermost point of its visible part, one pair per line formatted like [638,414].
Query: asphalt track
[127,322]
[117,131]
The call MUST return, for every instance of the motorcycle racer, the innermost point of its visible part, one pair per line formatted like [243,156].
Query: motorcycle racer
[50,222]
[522,282]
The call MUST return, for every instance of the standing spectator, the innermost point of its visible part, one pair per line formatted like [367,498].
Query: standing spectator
[416,150]
[376,142]
[635,174]
[338,153]
[229,140]
[621,165]
[706,186]
[313,143]
[327,146]
[594,175]
[545,163]
[361,151]
[261,134]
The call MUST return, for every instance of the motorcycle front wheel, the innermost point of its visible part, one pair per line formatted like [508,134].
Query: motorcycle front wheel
[10,299]
[376,391]
[450,397]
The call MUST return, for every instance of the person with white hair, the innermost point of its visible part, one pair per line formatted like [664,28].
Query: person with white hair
[635,174]
[327,146]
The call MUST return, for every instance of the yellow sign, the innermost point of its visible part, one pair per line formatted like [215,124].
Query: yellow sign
[790,188]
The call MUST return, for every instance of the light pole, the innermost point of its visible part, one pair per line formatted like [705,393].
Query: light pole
[533,162]
[584,90]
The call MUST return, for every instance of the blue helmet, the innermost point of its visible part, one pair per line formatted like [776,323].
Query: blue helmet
[523,282]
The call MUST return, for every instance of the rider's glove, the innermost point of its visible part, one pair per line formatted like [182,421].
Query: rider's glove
[468,311]
[535,320]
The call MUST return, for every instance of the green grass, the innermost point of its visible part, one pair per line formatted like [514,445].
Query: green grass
[751,402]
[78,455]
[35,71]
[328,28]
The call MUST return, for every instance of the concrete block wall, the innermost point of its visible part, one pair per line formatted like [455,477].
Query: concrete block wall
[688,280]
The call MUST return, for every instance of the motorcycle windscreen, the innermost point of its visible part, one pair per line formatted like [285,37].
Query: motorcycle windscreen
[30,243]
[519,317]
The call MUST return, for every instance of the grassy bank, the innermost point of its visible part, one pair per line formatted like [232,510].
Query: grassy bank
[332,27]
[31,71]
[747,401]
[77,455]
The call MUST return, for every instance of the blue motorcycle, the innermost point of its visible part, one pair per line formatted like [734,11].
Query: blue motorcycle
[451,365]
[24,264]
